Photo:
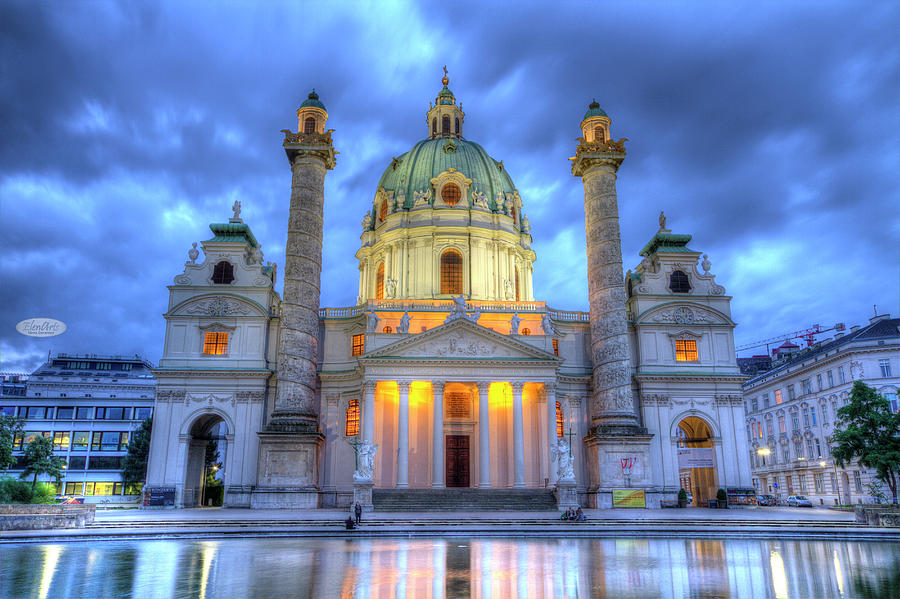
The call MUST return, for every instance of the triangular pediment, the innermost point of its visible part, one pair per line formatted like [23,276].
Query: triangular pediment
[462,340]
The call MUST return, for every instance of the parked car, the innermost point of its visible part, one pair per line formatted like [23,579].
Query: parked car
[766,500]
[799,501]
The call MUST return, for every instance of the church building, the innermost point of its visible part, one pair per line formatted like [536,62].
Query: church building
[448,373]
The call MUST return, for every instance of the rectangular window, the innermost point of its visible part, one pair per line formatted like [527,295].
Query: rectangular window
[833,482]
[818,449]
[791,393]
[892,401]
[103,365]
[754,404]
[812,413]
[116,413]
[819,382]
[765,397]
[117,488]
[770,430]
[885,368]
[795,421]
[143,413]
[61,440]
[798,449]
[556,347]
[134,488]
[80,440]
[781,427]
[802,477]
[789,478]
[857,481]
[88,488]
[806,417]
[819,482]
[65,413]
[351,424]
[104,488]
[357,345]
[779,398]
[8,410]
[36,413]
[18,442]
[841,376]
[77,462]
[215,344]
[74,488]
[686,350]
[104,463]
[807,386]
[824,414]
[95,441]
[100,413]
[830,378]
[809,449]
[83,413]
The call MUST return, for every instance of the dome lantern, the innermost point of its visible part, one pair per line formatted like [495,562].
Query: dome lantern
[445,118]
[312,116]
[595,124]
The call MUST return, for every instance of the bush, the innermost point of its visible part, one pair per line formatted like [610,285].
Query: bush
[13,490]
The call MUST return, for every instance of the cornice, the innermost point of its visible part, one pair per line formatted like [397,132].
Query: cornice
[682,377]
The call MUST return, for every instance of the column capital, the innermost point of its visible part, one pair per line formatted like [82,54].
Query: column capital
[369,386]
[550,387]
[403,386]
[483,386]
[332,398]
[438,384]
[517,386]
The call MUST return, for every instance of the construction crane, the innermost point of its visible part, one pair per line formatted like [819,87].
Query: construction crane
[807,335]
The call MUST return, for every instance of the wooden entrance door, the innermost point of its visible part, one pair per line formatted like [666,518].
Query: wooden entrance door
[457,450]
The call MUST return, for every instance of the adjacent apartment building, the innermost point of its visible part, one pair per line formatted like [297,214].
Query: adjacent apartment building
[791,410]
[89,405]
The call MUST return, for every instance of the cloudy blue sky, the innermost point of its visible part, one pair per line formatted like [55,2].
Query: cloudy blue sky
[770,131]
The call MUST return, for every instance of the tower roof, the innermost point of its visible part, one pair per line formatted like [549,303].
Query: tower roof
[594,110]
[233,232]
[667,242]
[312,101]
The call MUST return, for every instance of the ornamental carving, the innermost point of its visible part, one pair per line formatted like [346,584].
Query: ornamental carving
[218,306]
[169,395]
[182,280]
[654,399]
[210,398]
[459,346]
[249,396]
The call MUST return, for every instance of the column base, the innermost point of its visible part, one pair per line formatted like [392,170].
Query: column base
[438,486]
[401,486]
[287,472]
[606,454]
[362,493]
[566,495]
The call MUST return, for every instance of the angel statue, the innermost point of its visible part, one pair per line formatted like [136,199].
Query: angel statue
[366,462]
[560,454]
[236,207]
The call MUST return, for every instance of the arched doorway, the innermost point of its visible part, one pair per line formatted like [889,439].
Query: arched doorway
[204,476]
[696,459]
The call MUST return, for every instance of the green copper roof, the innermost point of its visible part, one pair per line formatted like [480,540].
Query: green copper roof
[445,96]
[233,232]
[427,159]
[594,110]
[667,242]
[312,100]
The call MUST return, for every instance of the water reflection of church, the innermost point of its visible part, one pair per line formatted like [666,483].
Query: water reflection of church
[447,363]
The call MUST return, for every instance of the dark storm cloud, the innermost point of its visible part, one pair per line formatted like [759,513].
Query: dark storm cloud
[769,132]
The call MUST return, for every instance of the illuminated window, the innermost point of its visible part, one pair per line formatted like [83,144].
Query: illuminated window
[379,282]
[512,214]
[559,420]
[450,194]
[517,283]
[779,397]
[351,422]
[223,273]
[445,125]
[556,347]
[526,331]
[387,329]
[598,134]
[451,272]
[685,350]
[679,282]
[215,344]
[61,440]
[357,345]
[309,125]
[382,211]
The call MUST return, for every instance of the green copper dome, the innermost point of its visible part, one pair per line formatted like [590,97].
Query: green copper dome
[312,101]
[445,96]
[427,159]
[594,110]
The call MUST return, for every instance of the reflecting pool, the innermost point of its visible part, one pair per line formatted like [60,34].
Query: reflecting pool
[451,567]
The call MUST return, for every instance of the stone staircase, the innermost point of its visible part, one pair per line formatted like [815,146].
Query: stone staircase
[463,500]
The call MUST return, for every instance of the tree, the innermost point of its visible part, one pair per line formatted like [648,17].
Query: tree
[10,426]
[867,430]
[39,459]
[134,465]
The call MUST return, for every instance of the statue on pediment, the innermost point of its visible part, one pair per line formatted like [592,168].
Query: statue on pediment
[514,324]
[193,253]
[403,327]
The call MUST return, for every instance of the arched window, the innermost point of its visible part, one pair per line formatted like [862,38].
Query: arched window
[517,283]
[434,127]
[629,287]
[387,329]
[450,194]
[445,125]
[526,331]
[559,420]
[451,272]
[351,420]
[223,273]
[309,125]
[379,282]
[513,214]
[598,134]
[457,127]
[679,282]
[382,211]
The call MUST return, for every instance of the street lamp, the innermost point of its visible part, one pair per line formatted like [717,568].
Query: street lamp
[763,452]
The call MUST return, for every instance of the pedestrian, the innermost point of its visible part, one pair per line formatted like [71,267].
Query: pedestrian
[357,509]
[579,515]
[348,523]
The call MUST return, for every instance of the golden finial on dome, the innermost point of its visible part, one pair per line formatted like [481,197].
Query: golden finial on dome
[445,80]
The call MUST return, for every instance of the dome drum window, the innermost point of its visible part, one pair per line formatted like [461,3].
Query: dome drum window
[450,194]
[309,125]
[679,282]
[451,273]
[223,273]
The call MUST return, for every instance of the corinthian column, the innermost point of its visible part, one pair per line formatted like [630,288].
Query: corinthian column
[296,402]
[612,407]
